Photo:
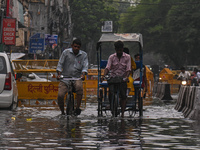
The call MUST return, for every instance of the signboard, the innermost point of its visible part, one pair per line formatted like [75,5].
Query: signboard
[36,44]
[51,40]
[9,31]
[107,26]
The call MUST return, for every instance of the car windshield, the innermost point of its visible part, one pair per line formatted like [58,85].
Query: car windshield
[3,68]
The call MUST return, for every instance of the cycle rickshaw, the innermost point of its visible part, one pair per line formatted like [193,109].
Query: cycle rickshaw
[135,100]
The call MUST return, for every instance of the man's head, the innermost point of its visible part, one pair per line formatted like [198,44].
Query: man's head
[119,46]
[76,45]
[137,57]
[183,69]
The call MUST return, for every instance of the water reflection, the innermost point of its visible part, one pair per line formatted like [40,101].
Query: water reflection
[120,133]
[37,128]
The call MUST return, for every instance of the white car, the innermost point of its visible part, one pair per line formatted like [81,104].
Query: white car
[8,86]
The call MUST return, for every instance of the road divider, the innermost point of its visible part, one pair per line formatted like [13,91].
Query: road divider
[188,102]
[161,90]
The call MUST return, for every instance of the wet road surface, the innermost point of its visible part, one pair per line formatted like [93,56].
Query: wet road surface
[161,128]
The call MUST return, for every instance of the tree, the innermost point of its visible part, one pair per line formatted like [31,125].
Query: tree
[87,19]
[168,27]
[183,24]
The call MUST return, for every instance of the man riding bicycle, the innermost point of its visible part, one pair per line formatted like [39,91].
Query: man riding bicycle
[184,74]
[73,63]
[119,66]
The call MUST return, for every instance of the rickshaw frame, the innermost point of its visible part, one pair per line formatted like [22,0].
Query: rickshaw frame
[124,37]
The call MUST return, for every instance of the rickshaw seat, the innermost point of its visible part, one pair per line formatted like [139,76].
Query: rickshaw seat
[104,84]
[136,83]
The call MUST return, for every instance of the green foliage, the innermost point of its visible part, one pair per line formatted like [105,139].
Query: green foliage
[87,18]
[168,27]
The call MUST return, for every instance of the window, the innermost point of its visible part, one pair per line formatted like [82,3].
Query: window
[3,69]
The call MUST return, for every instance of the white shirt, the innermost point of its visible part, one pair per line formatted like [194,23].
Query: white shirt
[198,75]
[185,75]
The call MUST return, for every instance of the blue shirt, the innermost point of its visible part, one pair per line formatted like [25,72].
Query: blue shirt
[71,65]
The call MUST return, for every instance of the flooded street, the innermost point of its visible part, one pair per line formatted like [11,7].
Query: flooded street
[37,128]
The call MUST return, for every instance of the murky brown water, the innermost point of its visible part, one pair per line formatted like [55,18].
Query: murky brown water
[161,128]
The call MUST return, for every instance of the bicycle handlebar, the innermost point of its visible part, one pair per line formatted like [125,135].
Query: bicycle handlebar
[107,77]
[69,79]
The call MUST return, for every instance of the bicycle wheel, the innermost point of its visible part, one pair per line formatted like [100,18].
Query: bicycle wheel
[114,105]
[70,104]
[100,102]
[140,105]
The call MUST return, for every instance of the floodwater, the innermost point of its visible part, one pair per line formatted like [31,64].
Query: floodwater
[37,128]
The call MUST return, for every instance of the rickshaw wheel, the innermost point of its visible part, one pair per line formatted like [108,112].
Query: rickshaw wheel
[100,103]
[115,108]
[131,112]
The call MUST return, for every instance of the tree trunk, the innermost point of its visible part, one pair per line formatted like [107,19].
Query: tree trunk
[91,51]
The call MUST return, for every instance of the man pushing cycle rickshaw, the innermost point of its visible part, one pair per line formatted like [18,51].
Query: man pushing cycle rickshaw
[119,64]
[118,68]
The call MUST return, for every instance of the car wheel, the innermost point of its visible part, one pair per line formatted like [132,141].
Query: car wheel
[11,106]
[14,105]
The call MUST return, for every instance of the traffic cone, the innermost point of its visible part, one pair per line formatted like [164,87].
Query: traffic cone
[19,103]
[37,102]
[53,103]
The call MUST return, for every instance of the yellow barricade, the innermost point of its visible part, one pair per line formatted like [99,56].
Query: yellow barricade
[170,76]
[150,82]
[37,90]
[41,90]
[48,90]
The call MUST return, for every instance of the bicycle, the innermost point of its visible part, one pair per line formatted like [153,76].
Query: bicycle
[70,102]
[115,97]
[115,108]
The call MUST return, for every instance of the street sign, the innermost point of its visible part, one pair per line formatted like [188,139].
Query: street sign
[51,39]
[107,26]
[36,43]
[9,31]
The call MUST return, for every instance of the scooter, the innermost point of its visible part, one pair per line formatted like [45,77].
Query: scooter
[184,82]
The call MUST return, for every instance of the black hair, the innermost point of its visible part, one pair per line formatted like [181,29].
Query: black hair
[136,55]
[119,44]
[126,50]
[77,41]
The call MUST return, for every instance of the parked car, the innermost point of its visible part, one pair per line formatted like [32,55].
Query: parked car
[8,86]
